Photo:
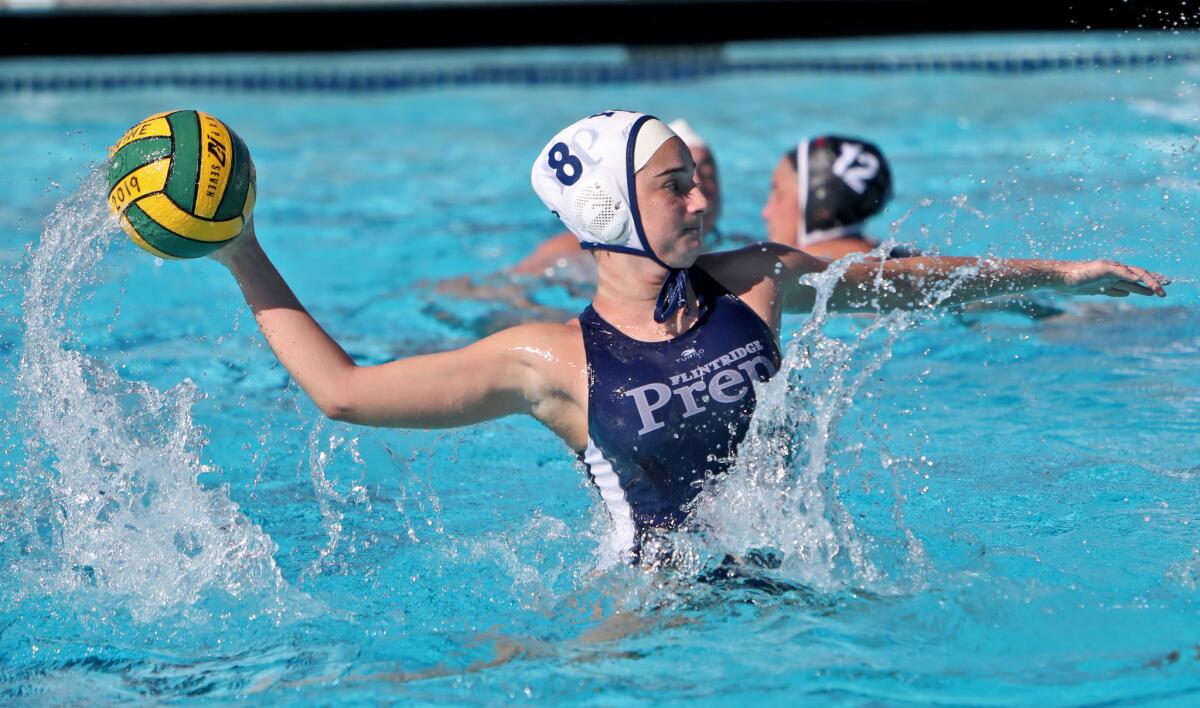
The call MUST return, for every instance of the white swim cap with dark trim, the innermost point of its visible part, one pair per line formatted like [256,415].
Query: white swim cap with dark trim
[585,176]
[842,182]
[687,134]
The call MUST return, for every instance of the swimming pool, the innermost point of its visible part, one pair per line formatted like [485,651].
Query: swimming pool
[987,512]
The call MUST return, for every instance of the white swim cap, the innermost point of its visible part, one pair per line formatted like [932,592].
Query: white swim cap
[685,132]
[585,175]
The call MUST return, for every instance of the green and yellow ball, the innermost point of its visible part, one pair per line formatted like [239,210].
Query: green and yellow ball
[182,183]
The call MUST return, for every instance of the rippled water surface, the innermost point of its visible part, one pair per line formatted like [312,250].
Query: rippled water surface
[975,508]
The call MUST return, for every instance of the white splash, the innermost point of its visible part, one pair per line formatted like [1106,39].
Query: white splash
[785,493]
[113,505]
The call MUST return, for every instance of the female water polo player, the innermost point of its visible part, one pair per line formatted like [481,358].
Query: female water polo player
[652,385]
[822,194]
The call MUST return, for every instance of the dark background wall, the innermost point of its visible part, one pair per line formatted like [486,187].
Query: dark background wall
[149,29]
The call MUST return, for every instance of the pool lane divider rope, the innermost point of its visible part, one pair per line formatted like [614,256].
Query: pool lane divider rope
[382,80]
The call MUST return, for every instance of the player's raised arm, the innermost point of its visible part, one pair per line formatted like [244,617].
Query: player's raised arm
[494,377]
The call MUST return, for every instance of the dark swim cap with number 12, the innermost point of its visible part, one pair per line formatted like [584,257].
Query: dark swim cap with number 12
[843,182]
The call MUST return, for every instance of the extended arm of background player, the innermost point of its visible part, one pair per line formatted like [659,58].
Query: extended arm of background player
[491,378]
[767,276]
[938,281]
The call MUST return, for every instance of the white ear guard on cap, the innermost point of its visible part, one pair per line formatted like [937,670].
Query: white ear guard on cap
[599,214]
[585,176]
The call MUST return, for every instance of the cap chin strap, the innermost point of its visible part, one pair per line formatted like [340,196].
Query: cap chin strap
[673,295]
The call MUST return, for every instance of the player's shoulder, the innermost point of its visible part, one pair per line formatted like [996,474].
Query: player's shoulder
[745,266]
[540,339]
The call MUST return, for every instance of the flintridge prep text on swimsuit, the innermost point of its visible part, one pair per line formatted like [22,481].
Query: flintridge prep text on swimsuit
[729,384]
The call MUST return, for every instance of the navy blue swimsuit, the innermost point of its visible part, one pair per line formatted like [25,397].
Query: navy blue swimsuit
[662,416]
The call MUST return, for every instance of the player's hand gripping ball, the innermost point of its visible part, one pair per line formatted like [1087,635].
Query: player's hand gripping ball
[182,183]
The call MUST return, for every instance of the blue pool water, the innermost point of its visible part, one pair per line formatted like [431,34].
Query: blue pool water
[984,510]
